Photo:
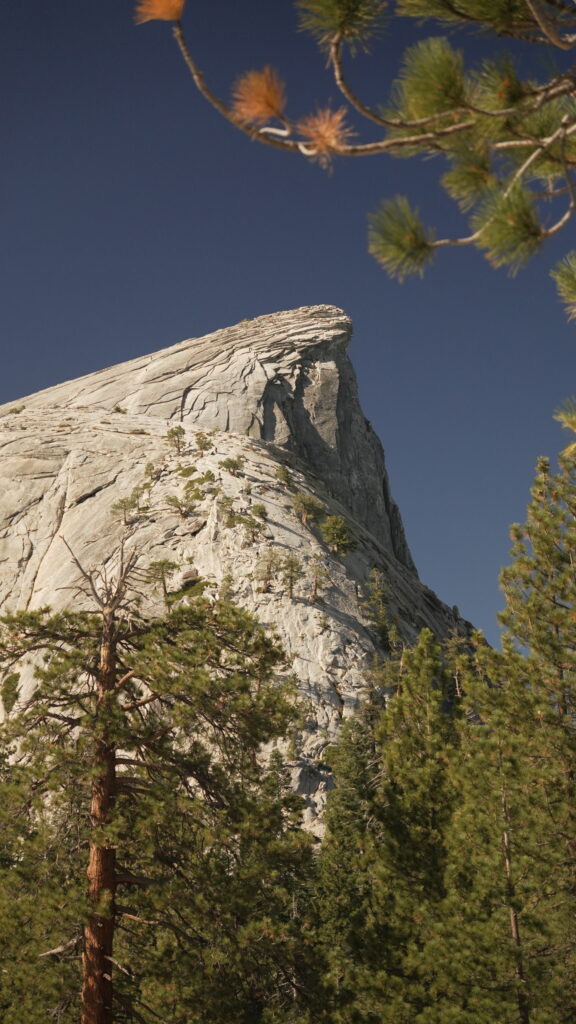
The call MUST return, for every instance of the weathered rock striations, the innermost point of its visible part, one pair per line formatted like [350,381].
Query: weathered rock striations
[278,390]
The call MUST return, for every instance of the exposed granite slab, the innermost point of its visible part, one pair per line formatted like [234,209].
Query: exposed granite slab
[276,390]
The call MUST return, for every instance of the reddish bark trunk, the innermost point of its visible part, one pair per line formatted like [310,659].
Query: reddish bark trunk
[97,985]
[522,997]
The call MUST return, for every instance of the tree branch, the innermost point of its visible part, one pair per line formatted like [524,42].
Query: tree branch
[548,29]
[214,101]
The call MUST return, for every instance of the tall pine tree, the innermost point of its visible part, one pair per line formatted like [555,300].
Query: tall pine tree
[151,865]
[383,861]
[448,875]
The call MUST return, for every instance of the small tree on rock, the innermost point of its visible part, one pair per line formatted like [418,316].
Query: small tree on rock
[160,571]
[307,507]
[320,577]
[291,570]
[233,465]
[267,569]
[337,535]
[203,442]
[175,438]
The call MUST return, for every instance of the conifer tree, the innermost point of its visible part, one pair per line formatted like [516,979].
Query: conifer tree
[319,576]
[151,866]
[291,571]
[523,754]
[383,862]
[307,507]
[337,535]
[448,874]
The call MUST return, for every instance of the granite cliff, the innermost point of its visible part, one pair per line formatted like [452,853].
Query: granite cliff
[278,391]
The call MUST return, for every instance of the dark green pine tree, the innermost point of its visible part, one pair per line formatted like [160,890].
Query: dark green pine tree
[151,866]
[488,926]
[508,931]
[383,862]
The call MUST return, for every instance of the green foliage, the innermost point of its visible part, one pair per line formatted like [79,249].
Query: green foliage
[284,476]
[498,86]
[233,465]
[382,863]
[337,535]
[203,442]
[195,488]
[160,572]
[210,861]
[9,691]
[517,778]
[320,577]
[508,135]
[307,507]
[291,571]
[267,568]
[376,606]
[470,177]
[193,492]
[226,588]
[183,506]
[125,506]
[398,239]
[564,274]
[431,80]
[509,229]
[447,874]
[252,525]
[226,504]
[259,510]
[354,21]
[502,16]
[175,438]
[136,496]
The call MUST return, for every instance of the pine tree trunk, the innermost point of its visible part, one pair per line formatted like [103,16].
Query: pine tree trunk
[97,985]
[522,997]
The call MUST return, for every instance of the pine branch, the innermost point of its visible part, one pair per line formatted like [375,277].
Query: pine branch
[73,943]
[214,101]
[549,29]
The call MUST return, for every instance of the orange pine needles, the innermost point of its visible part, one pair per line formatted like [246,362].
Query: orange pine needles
[258,96]
[158,10]
[325,133]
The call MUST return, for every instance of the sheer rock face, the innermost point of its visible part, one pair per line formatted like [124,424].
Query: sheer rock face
[284,378]
[278,390]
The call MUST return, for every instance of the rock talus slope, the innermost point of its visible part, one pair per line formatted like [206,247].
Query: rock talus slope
[278,391]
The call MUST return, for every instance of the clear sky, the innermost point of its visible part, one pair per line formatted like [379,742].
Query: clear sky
[133,217]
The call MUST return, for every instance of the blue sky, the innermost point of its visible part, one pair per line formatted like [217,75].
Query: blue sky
[134,217]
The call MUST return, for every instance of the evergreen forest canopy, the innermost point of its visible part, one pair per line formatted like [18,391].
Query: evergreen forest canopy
[153,867]
[507,138]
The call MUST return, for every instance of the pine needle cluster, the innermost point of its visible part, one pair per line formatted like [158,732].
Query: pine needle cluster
[355,21]
[158,10]
[258,97]
[398,239]
[564,274]
[325,133]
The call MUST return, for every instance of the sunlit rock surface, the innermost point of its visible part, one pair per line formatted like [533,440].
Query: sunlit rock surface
[278,390]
